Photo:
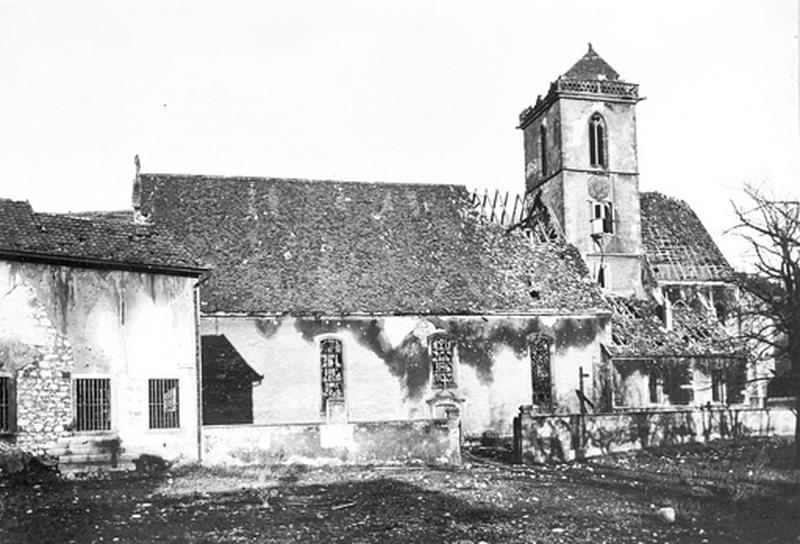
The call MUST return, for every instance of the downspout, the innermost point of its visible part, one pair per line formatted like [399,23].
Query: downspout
[198,366]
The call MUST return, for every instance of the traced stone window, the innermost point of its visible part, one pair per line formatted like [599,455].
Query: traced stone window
[331,361]
[441,348]
[7,405]
[540,370]
[597,141]
[602,214]
[163,403]
[92,404]
[543,148]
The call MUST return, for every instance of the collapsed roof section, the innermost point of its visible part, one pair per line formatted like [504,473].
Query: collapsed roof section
[639,331]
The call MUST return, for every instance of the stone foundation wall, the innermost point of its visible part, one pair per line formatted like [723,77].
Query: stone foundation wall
[557,438]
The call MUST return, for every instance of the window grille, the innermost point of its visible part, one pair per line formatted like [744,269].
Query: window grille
[540,370]
[6,404]
[331,362]
[92,404]
[441,352]
[597,141]
[164,404]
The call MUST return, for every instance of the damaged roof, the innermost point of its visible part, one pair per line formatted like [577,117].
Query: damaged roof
[639,331]
[25,234]
[304,247]
[677,246]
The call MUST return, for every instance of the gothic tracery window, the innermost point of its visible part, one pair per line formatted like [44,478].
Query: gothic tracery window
[331,362]
[597,141]
[441,348]
[540,370]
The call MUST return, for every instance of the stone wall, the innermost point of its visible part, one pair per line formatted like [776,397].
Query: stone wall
[39,360]
[432,441]
[554,438]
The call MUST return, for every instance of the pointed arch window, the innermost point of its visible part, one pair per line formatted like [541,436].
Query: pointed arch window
[597,141]
[543,148]
[332,366]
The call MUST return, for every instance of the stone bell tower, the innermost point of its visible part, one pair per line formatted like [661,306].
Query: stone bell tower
[580,161]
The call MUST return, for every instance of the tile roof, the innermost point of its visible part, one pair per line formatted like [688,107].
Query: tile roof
[304,247]
[590,67]
[676,244]
[638,331]
[27,234]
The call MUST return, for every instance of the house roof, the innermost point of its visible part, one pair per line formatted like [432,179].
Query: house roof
[591,66]
[676,244]
[305,247]
[25,234]
[638,331]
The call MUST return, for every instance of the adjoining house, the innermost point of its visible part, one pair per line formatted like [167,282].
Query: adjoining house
[98,343]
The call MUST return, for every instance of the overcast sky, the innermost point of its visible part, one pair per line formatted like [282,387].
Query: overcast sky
[411,91]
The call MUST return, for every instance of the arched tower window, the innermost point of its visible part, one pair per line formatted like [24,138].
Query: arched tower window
[597,141]
[543,148]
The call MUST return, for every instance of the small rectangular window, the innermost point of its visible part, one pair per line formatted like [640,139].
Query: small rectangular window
[7,405]
[92,404]
[656,386]
[718,385]
[164,404]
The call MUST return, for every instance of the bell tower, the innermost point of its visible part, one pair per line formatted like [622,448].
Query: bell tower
[580,161]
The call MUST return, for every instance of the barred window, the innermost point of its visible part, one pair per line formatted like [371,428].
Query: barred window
[164,404]
[540,370]
[441,348]
[597,141]
[332,365]
[7,405]
[92,404]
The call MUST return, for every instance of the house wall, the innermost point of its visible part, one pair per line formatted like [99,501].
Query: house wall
[387,374]
[59,323]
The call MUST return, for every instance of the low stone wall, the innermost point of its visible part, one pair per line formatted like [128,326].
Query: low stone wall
[433,441]
[556,438]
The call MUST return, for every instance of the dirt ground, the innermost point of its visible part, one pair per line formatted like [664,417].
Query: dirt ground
[725,492]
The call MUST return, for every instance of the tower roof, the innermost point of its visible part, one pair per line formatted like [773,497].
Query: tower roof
[592,66]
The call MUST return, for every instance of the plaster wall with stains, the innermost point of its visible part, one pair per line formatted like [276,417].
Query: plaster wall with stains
[126,326]
[387,370]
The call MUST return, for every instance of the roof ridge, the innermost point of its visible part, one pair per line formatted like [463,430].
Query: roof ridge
[222,177]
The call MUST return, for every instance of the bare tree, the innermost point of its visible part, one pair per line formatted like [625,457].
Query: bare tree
[772,312]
